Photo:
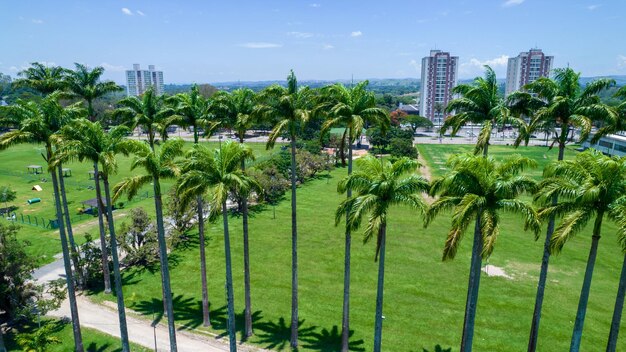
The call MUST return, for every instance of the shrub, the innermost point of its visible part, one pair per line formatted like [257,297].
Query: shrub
[139,239]
[402,147]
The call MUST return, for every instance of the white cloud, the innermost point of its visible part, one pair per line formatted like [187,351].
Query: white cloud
[300,35]
[126,11]
[13,68]
[328,47]
[113,68]
[260,45]
[621,61]
[510,3]
[140,13]
[592,7]
[37,21]
[416,65]
[315,5]
[474,67]
[502,60]
[356,34]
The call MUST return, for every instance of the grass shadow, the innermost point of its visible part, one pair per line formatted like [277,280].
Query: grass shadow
[276,335]
[330,340]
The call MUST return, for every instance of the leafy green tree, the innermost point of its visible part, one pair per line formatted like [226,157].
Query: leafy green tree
[139,239]
[589,185]
[86,84]
[7,195]
[84,140]
[38,122]
[479,103]
[379,185]
[292,107]
[416,122]
[218,171]
[236,110]
[480,188]
[193,110]
[559,105]
[148,112]
[351,108]
[39,340]
[614,118]
[158,164]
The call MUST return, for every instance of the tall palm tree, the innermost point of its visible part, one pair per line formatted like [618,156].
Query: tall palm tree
[158,164]
[560,105]
[38,122]
[480,188]
[379,185]
[218,171]
[620,210]
[150,112]
[85,84]
[192,110]
[590,185]
[351,108]
[479,103]
[613,119]
[42,78]
[82,140]
[237,109]
[45,80]
[292,107]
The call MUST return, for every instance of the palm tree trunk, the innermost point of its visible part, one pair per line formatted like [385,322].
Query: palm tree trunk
[73,248]
[103,240]
[165,271]
[543,274]
[472,289]
[229,282]
[342,147]
[378,320]
[206,319]
[584,294]
[246,263]
[294,249]
[345,320]
[119,294]
[617,312]
[78,338]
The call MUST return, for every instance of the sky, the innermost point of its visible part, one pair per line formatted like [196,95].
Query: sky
[232,40]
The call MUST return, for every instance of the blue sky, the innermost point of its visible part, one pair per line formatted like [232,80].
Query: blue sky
[216,41]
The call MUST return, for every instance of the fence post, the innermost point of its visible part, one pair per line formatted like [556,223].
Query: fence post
[29,219]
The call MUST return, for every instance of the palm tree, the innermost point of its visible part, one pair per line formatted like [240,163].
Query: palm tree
[379,185]
[38,122]
[613,118]
[219,172]
[192,110]
[158,164]
[46,80]
[620,210]
[238,107]
[480,103]
[85,84]
[148,112]
[82,140]
[351,108]
[42,78]
[480,188]
[292,107]
[559,105]
[590,185]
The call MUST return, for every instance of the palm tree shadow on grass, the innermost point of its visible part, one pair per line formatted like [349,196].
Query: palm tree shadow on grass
[276,335]
[186,309]
[330,340]
[219,321]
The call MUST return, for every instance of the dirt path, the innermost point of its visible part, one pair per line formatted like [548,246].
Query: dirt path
[426,173]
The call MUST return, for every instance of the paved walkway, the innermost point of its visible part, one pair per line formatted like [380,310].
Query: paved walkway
[141,332]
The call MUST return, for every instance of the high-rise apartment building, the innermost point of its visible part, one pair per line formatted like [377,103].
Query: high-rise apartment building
[526,68]
[439,76]
[138,80]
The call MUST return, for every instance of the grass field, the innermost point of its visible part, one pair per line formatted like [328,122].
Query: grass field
[424,297]
[45,243]
[93,340]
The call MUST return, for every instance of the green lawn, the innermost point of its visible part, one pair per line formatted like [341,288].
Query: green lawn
[93,340]
[424,297]
[45,243]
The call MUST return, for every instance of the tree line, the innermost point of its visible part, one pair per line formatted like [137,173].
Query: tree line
[477,189]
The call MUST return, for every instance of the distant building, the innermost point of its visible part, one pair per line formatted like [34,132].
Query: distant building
[138,80]
[439,76]
[526,68]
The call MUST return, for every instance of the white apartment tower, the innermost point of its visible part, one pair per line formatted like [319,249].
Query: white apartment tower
[138,80]
[526,68]
[439,76]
